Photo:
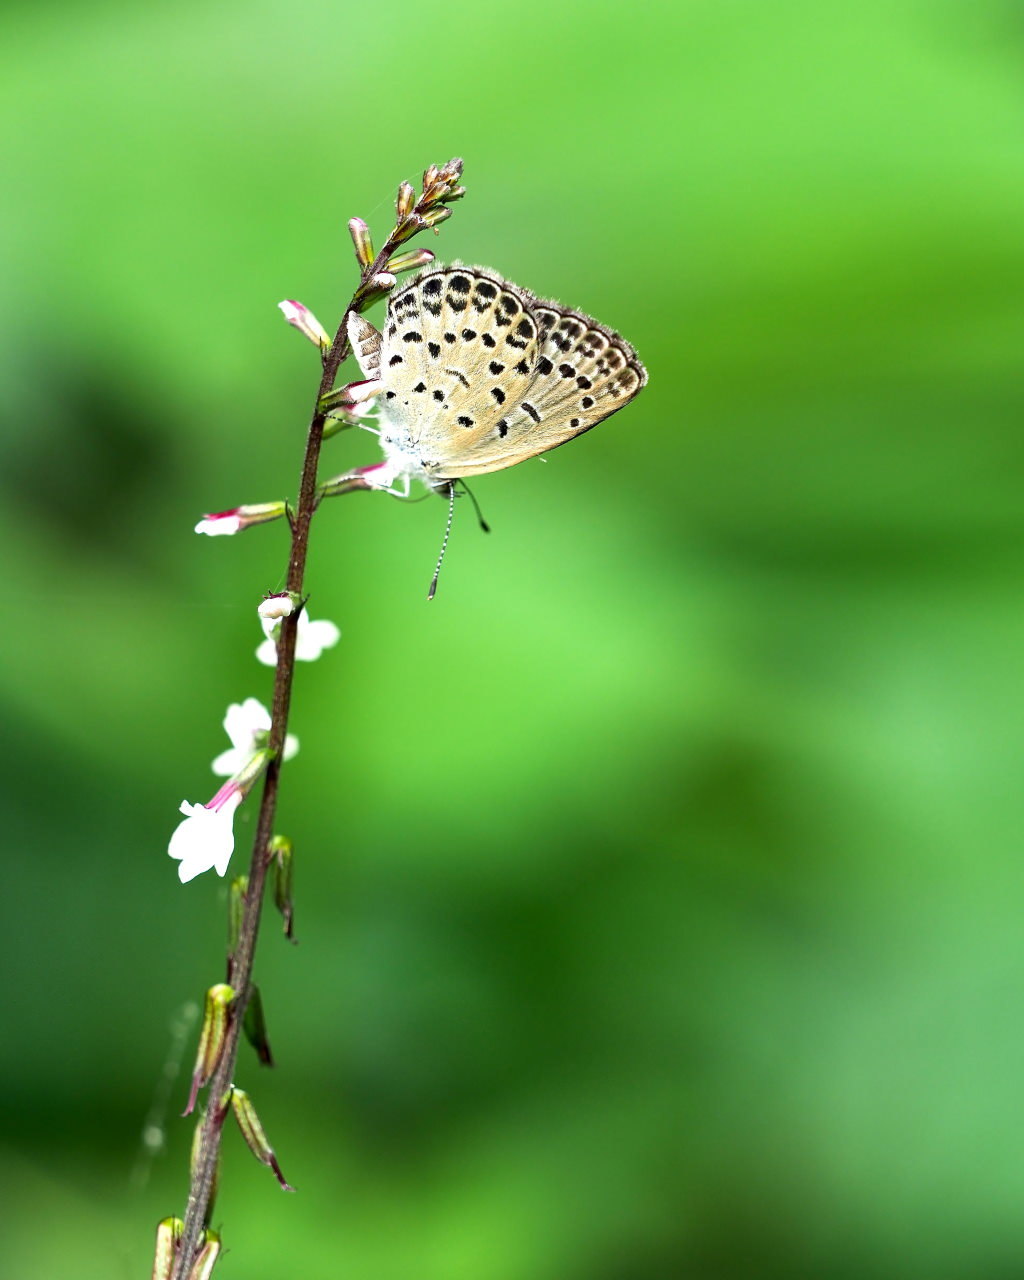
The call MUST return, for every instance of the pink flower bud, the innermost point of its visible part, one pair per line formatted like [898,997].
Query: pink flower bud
[360,234]
[234,520]
[301,318]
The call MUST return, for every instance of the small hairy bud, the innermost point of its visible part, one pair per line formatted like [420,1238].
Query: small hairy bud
[360,233]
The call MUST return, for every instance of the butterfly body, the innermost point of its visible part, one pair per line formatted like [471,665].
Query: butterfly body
[473,374]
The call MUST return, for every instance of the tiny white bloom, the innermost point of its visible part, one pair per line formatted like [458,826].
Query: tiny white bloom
[206,838]
[247,724]
[219,526]
[276,606]
[310,642]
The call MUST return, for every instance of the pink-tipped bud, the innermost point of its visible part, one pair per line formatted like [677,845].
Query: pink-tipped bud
[360,233]
[252,1131]
[212,1039]
[219,523]
[168,1235]
[406,201]
[357,392]
[301,318]
[410,260]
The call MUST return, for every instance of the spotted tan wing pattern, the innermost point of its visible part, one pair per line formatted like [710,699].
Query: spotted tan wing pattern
[584,373]
[458,345]
[479,375]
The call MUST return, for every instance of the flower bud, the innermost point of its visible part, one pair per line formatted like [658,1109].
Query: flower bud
[281,850]
[301,318]
[252,1131]
[360,233]
[357,392]
[255,1027]
[168,1236]
[383,280]
[239,518]
[410,260]
[212,1039]
[456,193]
[277,604]
[350,482]
[429,176]
[206,1259]
[436,216]
[406,200]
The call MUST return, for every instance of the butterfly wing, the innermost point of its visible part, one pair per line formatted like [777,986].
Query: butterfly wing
[583,374]
[477,374]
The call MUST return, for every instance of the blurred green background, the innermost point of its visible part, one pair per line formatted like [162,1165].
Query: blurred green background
[659,886]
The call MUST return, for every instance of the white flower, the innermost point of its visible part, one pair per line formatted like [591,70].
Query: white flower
[247,725]
[220,525]
[310,642]
[276,606]
[206,837]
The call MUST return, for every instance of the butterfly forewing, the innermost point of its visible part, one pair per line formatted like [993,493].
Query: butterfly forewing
[458,346]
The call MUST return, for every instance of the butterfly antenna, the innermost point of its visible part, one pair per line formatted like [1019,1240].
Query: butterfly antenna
[444,544]
[476,506]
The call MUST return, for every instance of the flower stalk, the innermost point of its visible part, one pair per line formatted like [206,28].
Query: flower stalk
[195,1252]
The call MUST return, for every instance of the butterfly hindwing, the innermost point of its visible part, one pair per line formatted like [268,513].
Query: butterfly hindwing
[583,374]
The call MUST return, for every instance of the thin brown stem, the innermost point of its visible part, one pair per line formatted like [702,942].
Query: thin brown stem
[208,1151]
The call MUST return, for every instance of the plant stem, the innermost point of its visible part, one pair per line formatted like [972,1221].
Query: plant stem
[208,1153]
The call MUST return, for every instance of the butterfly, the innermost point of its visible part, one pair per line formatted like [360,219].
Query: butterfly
[473,374]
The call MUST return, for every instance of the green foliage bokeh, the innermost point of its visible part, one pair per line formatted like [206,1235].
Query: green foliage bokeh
[659,885]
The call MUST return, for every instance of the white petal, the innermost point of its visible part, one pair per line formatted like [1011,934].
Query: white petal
[275,607]
[204,839]
[229,762]
[314,638]
[219,526]
[291,746]
[243,721]
[267,653]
